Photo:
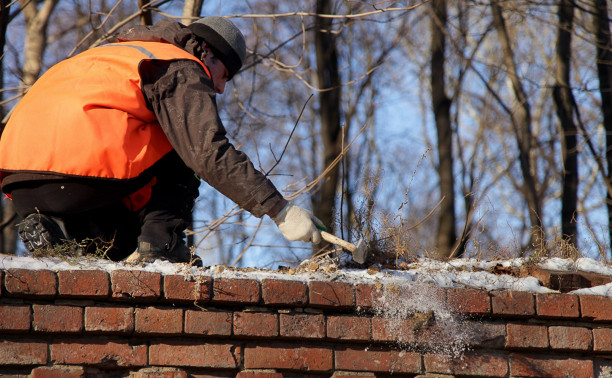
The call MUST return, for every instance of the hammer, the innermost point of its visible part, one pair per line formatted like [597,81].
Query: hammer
[359,251]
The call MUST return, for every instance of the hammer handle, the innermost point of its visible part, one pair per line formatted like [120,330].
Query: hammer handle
[336,240]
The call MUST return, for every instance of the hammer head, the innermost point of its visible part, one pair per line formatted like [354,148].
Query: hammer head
[360,252]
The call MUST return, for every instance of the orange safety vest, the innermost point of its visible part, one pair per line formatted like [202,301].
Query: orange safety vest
[87,116]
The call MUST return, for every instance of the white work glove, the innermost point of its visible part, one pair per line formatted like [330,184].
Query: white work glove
[296,223]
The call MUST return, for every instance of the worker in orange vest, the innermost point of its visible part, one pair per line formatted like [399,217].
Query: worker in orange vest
[110,145]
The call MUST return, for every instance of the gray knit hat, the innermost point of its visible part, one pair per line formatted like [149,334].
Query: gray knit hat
[225,39]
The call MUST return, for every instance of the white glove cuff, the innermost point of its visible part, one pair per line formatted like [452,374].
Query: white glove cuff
[296,223]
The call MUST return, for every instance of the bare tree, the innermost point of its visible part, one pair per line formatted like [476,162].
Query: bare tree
[4,19]
[191,10]
[564,100]
[601,26]
[521,121]
[37,19]
[35,43]
[8,234]
[441,104]
[145,14]
[360,107]
[329,107]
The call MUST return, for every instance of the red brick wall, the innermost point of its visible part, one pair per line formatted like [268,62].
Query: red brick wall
[75,323]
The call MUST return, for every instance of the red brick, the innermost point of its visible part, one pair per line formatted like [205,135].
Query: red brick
[109,319]
[349,328]
[179,288]
[283,292]
[260,324]
[257,374]
[472,364]
[513,303]
[52,318]
[389,329]
[550,366]
[331,294]
[469,301]
[291,357]
[485,334]
[557,306]
[195,354]
[438,334]
[212,323]
[570,338]
[98,352]
[135,284]
[244,291]
[527,336]
[302,326]
[160,372]
[367,359]
[84,283]
[602,339]
[23,352]
[153,320]
[596,308]
[22,282]
[15,318]
[58,372]
[367,296]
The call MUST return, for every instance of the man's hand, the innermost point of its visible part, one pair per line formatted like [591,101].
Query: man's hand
[296,223]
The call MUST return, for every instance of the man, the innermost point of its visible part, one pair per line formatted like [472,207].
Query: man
[106,145]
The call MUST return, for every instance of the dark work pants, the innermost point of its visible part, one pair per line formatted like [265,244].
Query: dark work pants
[93,209]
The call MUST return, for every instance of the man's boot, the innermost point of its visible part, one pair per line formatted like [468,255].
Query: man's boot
[39,231]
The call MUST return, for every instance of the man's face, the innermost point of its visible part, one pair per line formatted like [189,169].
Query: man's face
[217,69]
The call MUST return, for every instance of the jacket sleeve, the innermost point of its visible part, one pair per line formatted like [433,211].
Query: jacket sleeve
[182,97]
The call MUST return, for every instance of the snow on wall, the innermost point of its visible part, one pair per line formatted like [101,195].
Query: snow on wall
[81,317]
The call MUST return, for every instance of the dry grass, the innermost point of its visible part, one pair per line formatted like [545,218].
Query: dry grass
[72,250]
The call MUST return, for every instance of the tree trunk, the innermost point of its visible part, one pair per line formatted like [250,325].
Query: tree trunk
[447,235]
[564,100]
[36,37]
[4,19]
[145,16]
[329,102]
[34,46]
[521,119]
[191,9]
[8,233]
[601,24]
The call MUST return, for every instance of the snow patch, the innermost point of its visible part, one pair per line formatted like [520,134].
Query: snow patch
[455,273]
[419,312]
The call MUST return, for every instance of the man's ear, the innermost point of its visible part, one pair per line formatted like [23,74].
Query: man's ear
[203,47]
